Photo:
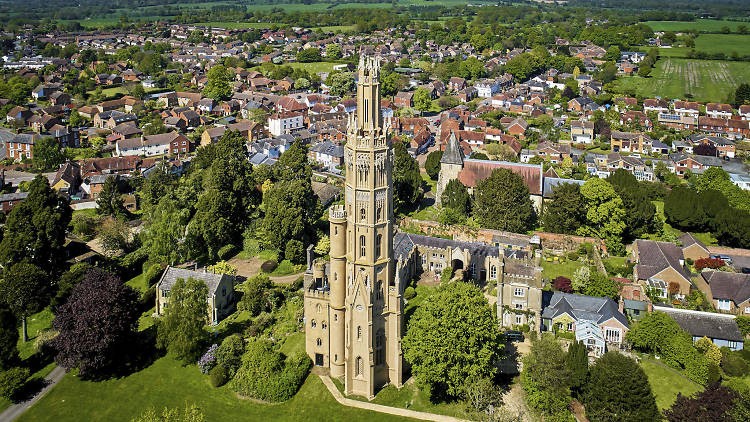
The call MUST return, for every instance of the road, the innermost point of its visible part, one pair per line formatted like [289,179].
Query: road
[14,411]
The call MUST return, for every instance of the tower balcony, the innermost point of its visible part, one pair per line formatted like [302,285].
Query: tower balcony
[337,212]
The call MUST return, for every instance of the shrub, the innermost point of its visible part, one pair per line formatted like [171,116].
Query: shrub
[689,261]
[84,226]
[732,364]
[562,284]
[132,260]
[260,323]
[208,360]
[268,266]
[226,251]
[573,256]
[410,293]
[295,251]
[153,273]
[250,245]
[255,294]
[743,323]
[219,376]
[712,263]
[229,354]
[446,275]
[266,375]
[285,267]
[12,380]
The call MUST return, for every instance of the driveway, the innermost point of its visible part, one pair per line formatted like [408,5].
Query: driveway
[16,410]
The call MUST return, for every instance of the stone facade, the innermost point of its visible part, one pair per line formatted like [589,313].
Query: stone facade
[353,304]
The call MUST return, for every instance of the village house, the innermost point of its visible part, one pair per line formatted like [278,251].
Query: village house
[721,329]
[660,265]
[630,142]
[582,131]
[21,146]
[153,145]
[728,292]
[220,287]
[285,122]
[692,248]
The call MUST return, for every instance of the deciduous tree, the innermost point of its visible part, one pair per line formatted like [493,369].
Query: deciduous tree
[8,338]
[605,214]
[180,330]
[47,155]
[219,83]
[25,288]
[96,324]
[452,338]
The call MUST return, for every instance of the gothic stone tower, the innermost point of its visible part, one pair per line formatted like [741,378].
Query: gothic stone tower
[365,297]
[451,164]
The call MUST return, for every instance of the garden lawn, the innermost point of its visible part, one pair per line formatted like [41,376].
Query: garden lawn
[666,383]
[313,67]
[35,324]
[551,270]
[166,383]
[702,80]
[138,282]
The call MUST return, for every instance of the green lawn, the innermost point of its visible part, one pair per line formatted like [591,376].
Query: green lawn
[726,43]
[551,270]
[138,282]
[704,80]
[666,383]
[700,25]
[35,324]
[166,383]
[235,25]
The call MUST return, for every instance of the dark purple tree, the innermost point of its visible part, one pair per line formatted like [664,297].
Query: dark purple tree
[562,284]
[96,324]
[705,149]
[714,404]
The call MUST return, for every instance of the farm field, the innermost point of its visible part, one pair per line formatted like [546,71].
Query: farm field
[700,25]
[704,80]
[726,43]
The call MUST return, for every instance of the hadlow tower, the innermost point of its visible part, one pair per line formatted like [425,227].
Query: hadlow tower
[353,303]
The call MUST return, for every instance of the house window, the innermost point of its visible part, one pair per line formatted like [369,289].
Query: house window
[612,335]
[378,241]
[724,304]
[362,246]
[733,345]
[519,319]
[518,305]
[313,324]
[747,309]
[493,272]
[319,342]
[518,292]
[569,327]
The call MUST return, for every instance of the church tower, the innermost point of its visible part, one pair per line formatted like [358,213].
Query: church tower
[365,297]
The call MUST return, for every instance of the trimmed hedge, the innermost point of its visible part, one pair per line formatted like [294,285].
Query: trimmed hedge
[12,380]
[219,376]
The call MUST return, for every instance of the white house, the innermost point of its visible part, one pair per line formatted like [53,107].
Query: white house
[285,122]
[741,180]
[486,88]
[152,145]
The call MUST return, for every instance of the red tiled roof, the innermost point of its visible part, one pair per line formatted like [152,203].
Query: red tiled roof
[477,170]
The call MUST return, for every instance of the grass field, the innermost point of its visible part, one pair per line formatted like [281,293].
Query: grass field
[700,25]
[713,43]
[666,383]
[552,270]
[705,80]
[166,383]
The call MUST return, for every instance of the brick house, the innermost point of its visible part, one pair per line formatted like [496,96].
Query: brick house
[659,265]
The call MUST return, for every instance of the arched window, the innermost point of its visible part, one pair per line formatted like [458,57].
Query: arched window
[493,272]
[319,342]
[335,317]
[362,215]
[378,242]
[323,325]
[313,324]
[336,358]
[359,332]
[362,246]
[379,213]
[379,290]
[380,347]
[359,367]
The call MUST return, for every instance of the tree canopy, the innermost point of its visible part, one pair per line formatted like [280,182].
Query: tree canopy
[180,330]
[407,181]
[96,324]
[563,212]
[451,338]
[502,202]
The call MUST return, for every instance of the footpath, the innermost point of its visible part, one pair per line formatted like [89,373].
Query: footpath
[396,411]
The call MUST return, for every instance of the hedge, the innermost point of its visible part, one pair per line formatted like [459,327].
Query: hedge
[266,375]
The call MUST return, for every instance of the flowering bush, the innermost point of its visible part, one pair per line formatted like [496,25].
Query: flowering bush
[713,263]
[208,360]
